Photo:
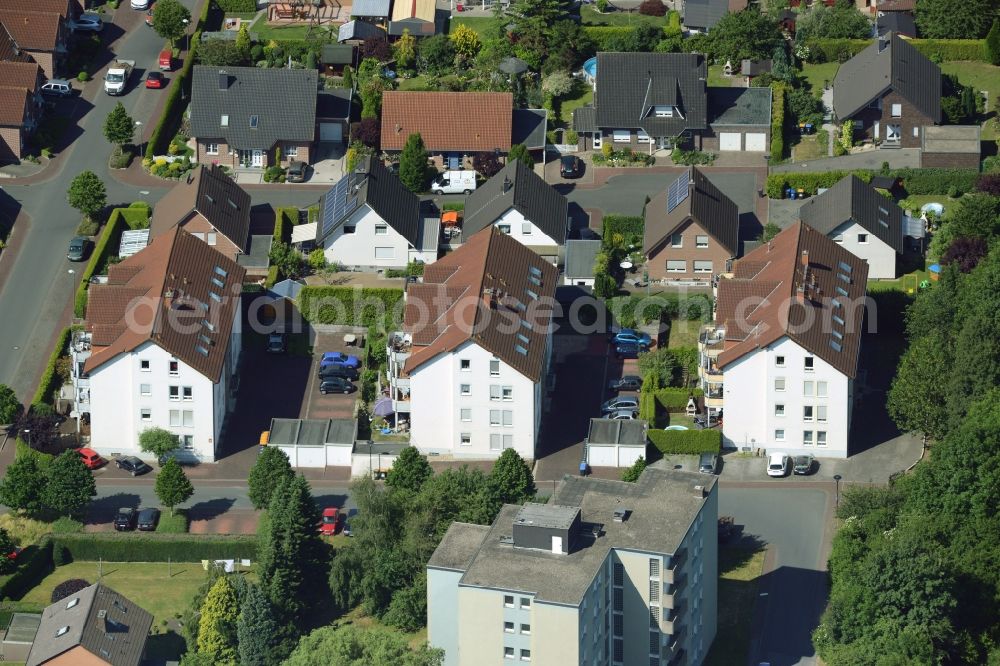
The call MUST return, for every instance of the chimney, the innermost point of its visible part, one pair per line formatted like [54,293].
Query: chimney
[805,259]
[699,491]
[102,621]
[399,128]
[621,514]
[223,81]
[507,184]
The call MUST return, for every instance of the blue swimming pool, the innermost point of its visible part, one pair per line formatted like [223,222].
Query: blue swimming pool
[590,68]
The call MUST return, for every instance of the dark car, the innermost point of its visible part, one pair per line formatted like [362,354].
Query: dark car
[626,383]
[149,14]
[155,80]
[627,350]
[132,465]
[570,166]
[77,249]
[125,519]
[707,463]
[276,343]
[296,172]
[335,385]
[329,371]
[803,464]
[148,518]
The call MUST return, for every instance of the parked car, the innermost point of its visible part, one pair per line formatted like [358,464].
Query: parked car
[296,172]
[346,529]
[132,465]
[340,358]
[803,464]
[77,249]
[336,385]
[57,88]
[626,383]
[708,463]
[91,458]
[148,518]
[622,415]
[125,519]
[628,350]
[155,80]
[276,343]
[166,59]
[621,402]
[777,464]
[330,522]
[631,336]
[327,371]
[570,166]
[139,4]
[454,182]
[86,23]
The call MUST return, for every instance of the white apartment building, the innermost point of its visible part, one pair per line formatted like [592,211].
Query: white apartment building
[607,572]
[780,360]
[469,367]
[160,346]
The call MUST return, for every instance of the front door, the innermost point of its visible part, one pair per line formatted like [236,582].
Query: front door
[257,158]
[597,139]
[892,133]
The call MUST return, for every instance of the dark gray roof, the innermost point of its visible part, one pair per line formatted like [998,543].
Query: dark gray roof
[282,100]
[378,189]
[705,203]
[580,257]
[739,106]
[286,289]
[517,186]
[527,127]
[755,67]
[585,119]
[374,8]
[312,432]
[611,431]
[888,63]
[337,54]
[335,103]
[359,30]
[629,84]
[901,22]
[852,199]
[103,622]
[216,196]
[704,13]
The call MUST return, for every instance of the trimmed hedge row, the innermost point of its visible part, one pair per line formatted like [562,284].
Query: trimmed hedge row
[809,182]
[237,6]
[349,305]
[626,225]
[134,217]
[674,399]
[778,122]
[915,181]
[49,382]
[155,547]
[33,564]
[686,441]
[284,220]
[601,35]
[835,50]
[839,50]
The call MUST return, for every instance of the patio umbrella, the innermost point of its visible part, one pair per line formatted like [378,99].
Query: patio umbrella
[513,66]
[383,407]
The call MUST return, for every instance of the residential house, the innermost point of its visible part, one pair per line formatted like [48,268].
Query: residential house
[318,12]
[160,345]
[333,114]
[253,118]
[210,206]
[417,16]
[615,442]
[781,357]
[470,366]
[20,107]
[890,90]
[581,256]
[368,220]
[862,221]
[787,20]
[702,15]
[95,626]
[895,6]
[517,201]
[528,129]
[901,23]
[453,125]
[607,572]
[692,230]
[38,33]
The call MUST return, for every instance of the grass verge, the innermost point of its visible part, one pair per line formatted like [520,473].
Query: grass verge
[267,32]
[583,95]
[590,16]
[478,23]
[683,333]
[175,524]
[739,571]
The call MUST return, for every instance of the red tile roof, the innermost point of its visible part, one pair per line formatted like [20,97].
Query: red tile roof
[20,75]
[34,30]
[464,122]
[13,104]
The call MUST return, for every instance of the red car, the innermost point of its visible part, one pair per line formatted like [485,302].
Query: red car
[331,521]
[91,458]
[155,80]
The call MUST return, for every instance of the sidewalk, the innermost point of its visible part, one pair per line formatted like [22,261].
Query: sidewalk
[901,158]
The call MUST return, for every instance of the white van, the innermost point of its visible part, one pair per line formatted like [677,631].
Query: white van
[454,182]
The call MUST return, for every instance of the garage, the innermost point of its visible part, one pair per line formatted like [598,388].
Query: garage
[613,443]
[730,141]
[602,456]
[756,142]
[331,132]
[314,442]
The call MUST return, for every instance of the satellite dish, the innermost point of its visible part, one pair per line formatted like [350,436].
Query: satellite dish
[625,265]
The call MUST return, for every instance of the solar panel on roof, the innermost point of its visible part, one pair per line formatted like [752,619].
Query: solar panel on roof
[678,191]
[334,205]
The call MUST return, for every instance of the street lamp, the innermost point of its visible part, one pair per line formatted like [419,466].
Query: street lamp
[187,37]
[27,431]
[837,478]
[138,127]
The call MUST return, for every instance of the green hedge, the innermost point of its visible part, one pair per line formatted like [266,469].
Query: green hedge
[602,34]
[155,547]
[686,441]
[133,217]
[915,181]
[33,564]
[840,50]
[810,182]
[49,382]
[836,50]
[626,225]
[778,91]
[674,399]
[237,6]
[284,220]
[337,305]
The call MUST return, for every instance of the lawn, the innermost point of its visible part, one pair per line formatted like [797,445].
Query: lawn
[739,569]
[145,583]
[584,96]
[267,32]
[981,76]
[591,16]
[908,283]
[419,82]
[809,148]
[816,74]
[478,23]
[683,333]
[717,79]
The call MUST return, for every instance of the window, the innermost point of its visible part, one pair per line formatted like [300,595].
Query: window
[916,131]
[701,242]
[779,410]
[61,631]
[188,418]
[807,437]
[808,388]
[531,294]
[385,253]
[175,417]
[702,266]
[862,239]
[779,383]
[807,363]
[508,653]
[494,391]
[186,392]
[621,136]
[838,319]
[836,346]
[526,629]
[821,413]
[526,228]
[212,238]
[494,367]
[897,110]
[508,418]
[175,392]
[676,240]
[496,444]
[642,137]
[508,393]
[838,238]
[846,267]
[663,111]
[145,389]
[212,149]
[465,364]
[619,649]
[525,603]
[349,230]
[807,413]
[465,414]
[253,122]
[821,389]
[224,120]
[504,228]
[525,655]
[72,602]
[173,367]
[494,417]
[521,350]
[291,150]
[465,389]
[821,438]
[381,229]
[146,414]
[779,361]
[508,627]
[508,600]
[779,435]
[676,266]
[465,439]
[508,441]
[144,365]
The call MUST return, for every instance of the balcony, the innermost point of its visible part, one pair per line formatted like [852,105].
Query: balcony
[672,592]
[713,395]
[670,622]
[673,572]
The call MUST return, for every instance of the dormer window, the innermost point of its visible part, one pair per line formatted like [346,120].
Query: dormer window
[253,122]
[663,111]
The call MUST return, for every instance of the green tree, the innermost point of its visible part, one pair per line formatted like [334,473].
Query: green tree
[10,406]
[465,41]
[511,478]
[744,35]
[520,152]
[172,485]
[837,22]
[781,67]
[217,625]
[405,51]
[21,487]
[269,471]
[950,19]
[769,231]
[992,44]
[413,164]
[158,441]
[914,400]
[435,55]
[257,630]
[409,471]
[69,485]
[170,19]
[605,286]
[408,609]
[87,193]
[192,658]
[632,474]
[7,545]
[119,128]
[350,645]
[243,42]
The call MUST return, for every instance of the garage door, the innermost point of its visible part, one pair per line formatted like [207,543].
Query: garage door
[756,142]
[331,132]
[730,141]
[601,456]
[627,455]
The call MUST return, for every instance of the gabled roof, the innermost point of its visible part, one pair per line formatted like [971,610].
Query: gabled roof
[9,50]
[335,103]
[281,102]
[888,63]
[466,122]
[33,30]
[371,185]
[585,119]
[23,74]
[371,8]
[706,13]
[898,22]
[13,103]
[630,84]
[528,127]
[800,285]
[337,54]
[519,187]
[103,622]
[60,7]
[417,16]
[700,201]
[179,293]
[852,199]
[213,194]
[492,291]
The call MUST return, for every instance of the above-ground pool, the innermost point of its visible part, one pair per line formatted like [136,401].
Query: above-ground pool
[676,427]
[590,69]
[935,208]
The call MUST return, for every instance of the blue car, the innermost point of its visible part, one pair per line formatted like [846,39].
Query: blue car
[339,358]
[631,336]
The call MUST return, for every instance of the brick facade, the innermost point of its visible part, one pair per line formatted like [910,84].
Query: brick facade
[228,157]
[949,160]
[689,252]
[910,119]
[198,225]
[11,144]
[585,142]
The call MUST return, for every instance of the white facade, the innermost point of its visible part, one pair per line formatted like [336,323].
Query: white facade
[468,403]
[774,401]
[528,234]
[862,243]
[373,242]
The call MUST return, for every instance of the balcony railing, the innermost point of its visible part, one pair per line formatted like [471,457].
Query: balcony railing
[670,621]
[672,573]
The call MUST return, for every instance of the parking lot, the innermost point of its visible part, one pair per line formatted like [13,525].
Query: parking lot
[332,405]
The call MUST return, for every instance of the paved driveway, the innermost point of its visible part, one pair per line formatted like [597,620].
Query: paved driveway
[332,405]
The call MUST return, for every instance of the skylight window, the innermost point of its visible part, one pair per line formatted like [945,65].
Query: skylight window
[532,295]
[62,631]
[838,335]
[220,271]
[523,338]
[520,350]
[835,303]
[535,270]
[526,324]
[844,278]
[215,297]
[535,281]
[836,346]
[207,324]
[201,350]
[838,319]
[225,121]
[844,266]
[842,291]
[72,602]
[218,283]
[204,338]
[253,122]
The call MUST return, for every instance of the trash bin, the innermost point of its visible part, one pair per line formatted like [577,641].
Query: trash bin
[583,469]
[802,193]
[791,194]
[788,193]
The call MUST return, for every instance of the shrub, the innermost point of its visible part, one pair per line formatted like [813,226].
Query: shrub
[686,441]
[653,8]
[572,137]
[83,77]
[33,564]
[68,588]
[132,547]
[347,305]
[778,122]
[630,227]
[65,525]
[88,227]
[689,157]
[989,183]
[274,174]
[237,6]
[676,399]
[605,37]
[936,181]
[61,557]
[50,380]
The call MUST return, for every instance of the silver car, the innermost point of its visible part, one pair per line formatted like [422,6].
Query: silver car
[622,415]
[620,402]
[707,463]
